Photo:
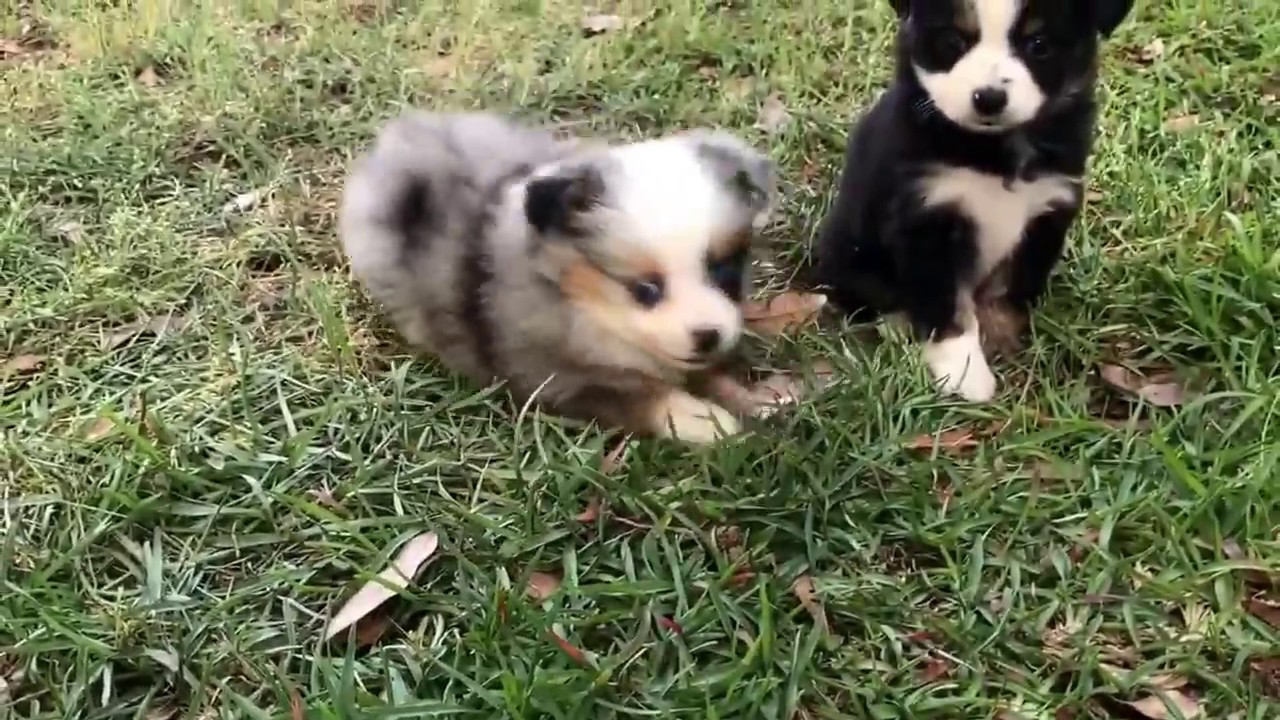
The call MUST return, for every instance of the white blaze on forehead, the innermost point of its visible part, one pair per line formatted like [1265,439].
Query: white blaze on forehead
[671,202]
[995,19]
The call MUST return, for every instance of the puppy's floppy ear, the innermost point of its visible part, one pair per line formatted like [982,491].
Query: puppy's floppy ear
[748,173]
[1107,14]
[556,203]
[902,7]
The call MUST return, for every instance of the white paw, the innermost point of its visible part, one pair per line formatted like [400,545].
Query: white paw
[693,420]
[960,368]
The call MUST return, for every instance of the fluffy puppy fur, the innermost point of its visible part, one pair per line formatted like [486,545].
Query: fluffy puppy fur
[960,184]
[593,277]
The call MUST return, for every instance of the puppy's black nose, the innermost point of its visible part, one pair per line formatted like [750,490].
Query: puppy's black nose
[706,340]
[990,101]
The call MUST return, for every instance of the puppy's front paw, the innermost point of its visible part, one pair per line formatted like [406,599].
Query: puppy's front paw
[958,365]
[693,420]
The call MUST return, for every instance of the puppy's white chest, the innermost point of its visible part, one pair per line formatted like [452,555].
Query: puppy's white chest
[999,214]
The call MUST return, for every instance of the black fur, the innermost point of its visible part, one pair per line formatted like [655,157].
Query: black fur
[476,273]
[553,204]
[414,212]
[879,249]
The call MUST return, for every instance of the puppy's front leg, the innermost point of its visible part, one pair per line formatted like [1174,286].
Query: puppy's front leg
[685,417]
[659,410]
[937,254]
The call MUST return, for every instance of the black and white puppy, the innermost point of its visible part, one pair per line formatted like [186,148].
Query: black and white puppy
[961,183]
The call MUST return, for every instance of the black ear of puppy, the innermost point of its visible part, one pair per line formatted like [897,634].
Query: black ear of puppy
[556,203]
[1107,14]
[902,7]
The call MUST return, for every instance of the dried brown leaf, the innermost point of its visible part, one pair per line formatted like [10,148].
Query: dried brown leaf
[98,429]
[612,461]
[1158,393]
[1257,576]
[598,24]
[1266,670]
[387,584]
[148,77]
[1182,123]
[158,325]
[19,48]
[1265,610]
[1155,708]
[19,364]
[771,393]
[807,594]
[1056,471]
[372,628]
[934,669]
[1152,51]
[590,512]
[773,116]
[782,312]
[954,440]
[574,652]
[297,710]
[442,66]
[542,585]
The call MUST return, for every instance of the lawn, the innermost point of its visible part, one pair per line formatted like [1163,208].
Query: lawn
[210,439]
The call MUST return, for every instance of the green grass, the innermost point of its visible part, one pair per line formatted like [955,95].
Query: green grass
[180,557]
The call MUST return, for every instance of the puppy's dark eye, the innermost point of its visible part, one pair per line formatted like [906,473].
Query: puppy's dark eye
[1037,47]
[647,293]
[726,275]
[949,44]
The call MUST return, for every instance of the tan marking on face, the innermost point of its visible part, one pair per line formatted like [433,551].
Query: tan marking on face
[723,246]
[583,282]
[966,17]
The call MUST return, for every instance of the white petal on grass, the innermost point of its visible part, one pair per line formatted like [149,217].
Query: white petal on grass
[386,585]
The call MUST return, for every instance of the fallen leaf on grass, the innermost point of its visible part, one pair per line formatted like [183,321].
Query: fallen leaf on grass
[782,312]
[21,364]
[590,512]
[387,584]
[1258,576]
[1159,681]
[934,669]
[542,585]
[670,625]
[244,202]
[158,325]
[371,628]
[574,652]
[1159,394]
[1182,123]
[773,116]
[613,459]
[1265,610]
[1266,670]
[148,77]
[599,24]
[297,711]
[1154,707]
[1152,51]
[768,395]
[807,595]
[98,429]
[954,440]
